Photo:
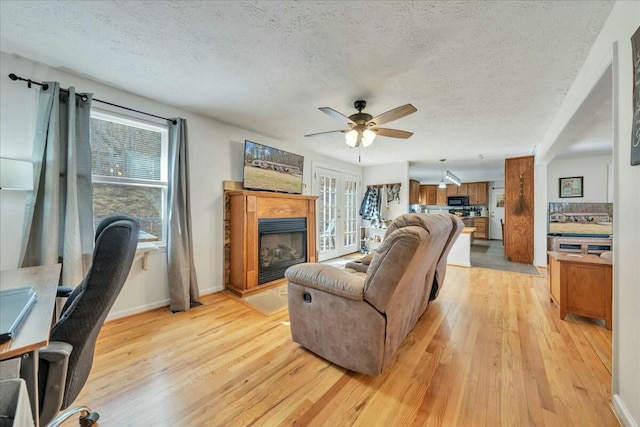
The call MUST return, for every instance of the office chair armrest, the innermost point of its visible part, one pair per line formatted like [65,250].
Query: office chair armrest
[63,291]
[54,360]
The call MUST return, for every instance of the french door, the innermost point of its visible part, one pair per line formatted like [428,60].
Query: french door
[337,210]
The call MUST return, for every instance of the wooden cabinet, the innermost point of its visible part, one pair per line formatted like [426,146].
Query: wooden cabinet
[482,193]
[579,245]
[482,227]
[414,192]
[581,284]
[478,193]
[429,194]
[441,197]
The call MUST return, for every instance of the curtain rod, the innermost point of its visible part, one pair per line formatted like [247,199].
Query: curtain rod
[84,97]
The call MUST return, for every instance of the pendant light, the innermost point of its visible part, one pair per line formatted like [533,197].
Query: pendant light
[442,183]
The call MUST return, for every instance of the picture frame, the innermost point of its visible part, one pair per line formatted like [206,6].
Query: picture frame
[570,187]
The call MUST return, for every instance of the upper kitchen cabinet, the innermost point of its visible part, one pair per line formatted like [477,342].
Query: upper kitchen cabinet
[482,194]
[414,192]
[429,195]
[441,196]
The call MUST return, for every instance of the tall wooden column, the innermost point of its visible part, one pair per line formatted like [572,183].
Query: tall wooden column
[518,209]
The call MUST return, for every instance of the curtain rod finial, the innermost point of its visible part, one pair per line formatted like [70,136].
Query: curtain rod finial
[13,77]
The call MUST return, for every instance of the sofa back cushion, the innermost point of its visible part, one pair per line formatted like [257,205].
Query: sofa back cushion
[413,238]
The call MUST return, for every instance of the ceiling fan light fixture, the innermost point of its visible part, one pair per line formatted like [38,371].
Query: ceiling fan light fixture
[367,137]
[351,138]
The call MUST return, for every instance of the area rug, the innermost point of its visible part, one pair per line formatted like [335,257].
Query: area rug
[489,254]
[268,302]
[275,300]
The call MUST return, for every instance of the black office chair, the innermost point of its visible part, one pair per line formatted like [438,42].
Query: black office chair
[66,362]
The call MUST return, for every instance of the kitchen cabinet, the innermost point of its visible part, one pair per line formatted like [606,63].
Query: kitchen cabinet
[481,224]
[482,193]
[478,193]
[452,190]
[414,192]
[462,190]
[441,197]
[429,195]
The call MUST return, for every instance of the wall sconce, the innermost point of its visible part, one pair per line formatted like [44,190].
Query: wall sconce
[452,178]
[16,174]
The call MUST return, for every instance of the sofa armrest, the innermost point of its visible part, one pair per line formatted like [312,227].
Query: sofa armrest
[328,279]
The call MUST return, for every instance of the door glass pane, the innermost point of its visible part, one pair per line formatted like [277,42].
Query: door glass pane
[349,216]
[328,213]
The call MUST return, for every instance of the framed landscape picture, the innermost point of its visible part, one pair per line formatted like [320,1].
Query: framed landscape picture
[570,187]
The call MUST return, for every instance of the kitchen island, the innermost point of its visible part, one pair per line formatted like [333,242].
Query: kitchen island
[460,253]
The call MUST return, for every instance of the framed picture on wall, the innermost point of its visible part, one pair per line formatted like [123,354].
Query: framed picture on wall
[570,187]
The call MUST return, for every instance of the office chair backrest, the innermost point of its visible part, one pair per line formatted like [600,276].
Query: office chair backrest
[90,302]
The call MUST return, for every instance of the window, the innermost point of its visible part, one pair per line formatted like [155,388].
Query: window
[130,171]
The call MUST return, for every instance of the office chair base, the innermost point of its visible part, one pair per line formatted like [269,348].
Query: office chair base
[87,418]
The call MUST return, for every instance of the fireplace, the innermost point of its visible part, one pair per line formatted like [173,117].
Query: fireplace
[268,233]
[282,243]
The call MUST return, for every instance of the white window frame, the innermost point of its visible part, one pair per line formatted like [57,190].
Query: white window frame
[163,183]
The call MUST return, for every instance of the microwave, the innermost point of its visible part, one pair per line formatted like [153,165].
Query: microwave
[458,201]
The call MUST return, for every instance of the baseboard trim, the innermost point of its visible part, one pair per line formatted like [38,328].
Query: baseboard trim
[622,412]
[153,305]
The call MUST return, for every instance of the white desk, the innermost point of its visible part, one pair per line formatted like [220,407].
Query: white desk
[34,331]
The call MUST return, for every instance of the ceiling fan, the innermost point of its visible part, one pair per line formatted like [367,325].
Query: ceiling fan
[363,127]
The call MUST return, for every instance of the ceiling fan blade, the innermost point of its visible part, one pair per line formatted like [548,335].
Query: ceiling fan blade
[329,131]
[393,133]
[395,114]
[336,115]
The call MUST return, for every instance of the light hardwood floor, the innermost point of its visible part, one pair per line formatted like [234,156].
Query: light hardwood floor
[490,351]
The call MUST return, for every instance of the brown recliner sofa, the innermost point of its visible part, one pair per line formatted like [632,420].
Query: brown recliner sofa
[358,319]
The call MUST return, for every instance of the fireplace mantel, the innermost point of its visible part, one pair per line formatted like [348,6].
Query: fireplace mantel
[246,208]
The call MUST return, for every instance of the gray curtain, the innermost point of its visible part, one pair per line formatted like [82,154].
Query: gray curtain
[59,212]
[183,283]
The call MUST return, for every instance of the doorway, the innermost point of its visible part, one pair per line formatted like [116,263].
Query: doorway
[337,212]
[496,213]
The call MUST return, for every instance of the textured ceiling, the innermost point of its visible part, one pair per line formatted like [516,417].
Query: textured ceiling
[486,77]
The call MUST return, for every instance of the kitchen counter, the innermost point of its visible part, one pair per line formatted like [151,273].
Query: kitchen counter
[460,253]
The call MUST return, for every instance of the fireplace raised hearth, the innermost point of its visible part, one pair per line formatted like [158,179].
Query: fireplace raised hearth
[269,232]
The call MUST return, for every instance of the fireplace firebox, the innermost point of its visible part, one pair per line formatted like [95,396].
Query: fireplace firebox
[282,243]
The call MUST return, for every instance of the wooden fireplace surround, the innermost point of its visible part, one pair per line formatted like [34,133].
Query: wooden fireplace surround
[245,209]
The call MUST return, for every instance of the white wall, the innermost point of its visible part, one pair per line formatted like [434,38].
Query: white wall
[387,174]
[216,153]
[613,45]
[595,173]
